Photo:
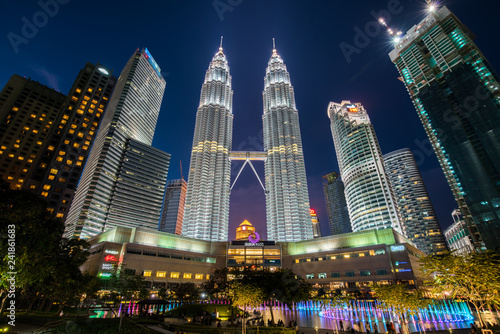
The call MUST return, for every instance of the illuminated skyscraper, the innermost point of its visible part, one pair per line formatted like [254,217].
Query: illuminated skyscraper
[206,214]
[315,223]
[336,206]
[420,221]
[124,180]
[244,230]
[287,197]
[174,201]
[457,96]
[368,191]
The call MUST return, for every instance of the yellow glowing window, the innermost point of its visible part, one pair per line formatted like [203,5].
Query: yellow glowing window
[45,193]
[104,98]
[198,276]
[26,128]
[50,148]
[147,273]
[66,141]
[81,157]
[100,110]
[361,254]
[51,177]
[62,179]
[53,171]
[1,152]
[70,107]
[16,145]
[94,123]
[46,187]
[71,131]
[187,275]
[78,90]
[347,256]
[76,145]
[333,257]
[59,159]
[15,109]
[69,162]
[3,147]
[98,114]
[73,126]
[35,130]
[90,111]
[91,133]
[30,160]
[174,275]
[20,158]
[10,178]
[33,115]
[66,117]
[161,274]
[74,98]
[101,105]
[62,153]
[51,210]
[80,111]
[208,276]
[41,119]
[297,260]
[25,170]
[85,125]
[85,147]
[94,101]
[11,155]
[78,163]
[86,98]
[60,215]
[92,106]
[89,89]
[80,134]
[39,142]
[308,260]
[43,165]
[372,252]
[32,186]
[87,142]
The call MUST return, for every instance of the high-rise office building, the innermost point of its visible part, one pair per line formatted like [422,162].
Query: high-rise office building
[29,111]
[287,197]
[368,191]
[174,201]
[457,235]
[124,179]
[58,155]
[60,166]
[315,223]
[206,214]
[457,97]
[420,221]
[336,206]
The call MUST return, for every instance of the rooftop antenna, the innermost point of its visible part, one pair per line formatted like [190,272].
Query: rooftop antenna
[220,47]
[393,32]
[182,176]
[274,44]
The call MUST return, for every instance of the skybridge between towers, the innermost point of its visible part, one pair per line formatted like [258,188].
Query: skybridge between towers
[248,156]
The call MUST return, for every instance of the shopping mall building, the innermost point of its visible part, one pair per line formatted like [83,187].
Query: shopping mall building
[351,261]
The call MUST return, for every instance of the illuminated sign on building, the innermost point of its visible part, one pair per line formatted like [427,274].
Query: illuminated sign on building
[400,262]
[109,251]
[110,258]
[105,275]
[107,266]
[352,108]
[261,244]
[403,270]
[397,248]
[312,211]
[254,238]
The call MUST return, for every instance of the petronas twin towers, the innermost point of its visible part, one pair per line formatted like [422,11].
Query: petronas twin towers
[207,200]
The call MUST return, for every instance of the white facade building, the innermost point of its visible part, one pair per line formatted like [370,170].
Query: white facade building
[124,179]
[368,191]
[206,214]
[287,197]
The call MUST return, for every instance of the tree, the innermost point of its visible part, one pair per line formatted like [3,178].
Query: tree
[402,301]
[46,265]
[129,285]
[186,291]
[245,294]
[218,284]
[281,285]
[474,277]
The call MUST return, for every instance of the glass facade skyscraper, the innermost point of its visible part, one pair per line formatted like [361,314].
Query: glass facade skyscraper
[457,97]
[174,201]
[287,197]
[420,221]
[370,198]
[206,214]
[336,206]
[124,180]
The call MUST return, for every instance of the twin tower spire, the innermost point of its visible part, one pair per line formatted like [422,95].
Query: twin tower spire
[207,200]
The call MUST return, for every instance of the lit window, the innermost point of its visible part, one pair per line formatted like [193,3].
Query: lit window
[71,131]
[51,177]
[11,155]
[297,260]
[15,109]
[33,187]
[50,148]
[89,90]
[20,158]
[10,178]
[69,162]
[174,275]
[62,179]
[78,90]
[33,115]
[62,153]
[78,163]
[161,274]
[81,158]
[53,171]
[46,187]
[30,160]
[59,159]
[3,147]
[80,134]
[60,215]
[76,145]
[45,193]
[85,147]
[73,126]
[147,273]
[36,131]
[66,117]
[186,275]
[80,111]
[198,276]
[86,97]
[26,128]
[74,98]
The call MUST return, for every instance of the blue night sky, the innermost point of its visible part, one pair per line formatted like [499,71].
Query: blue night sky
[183,36]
